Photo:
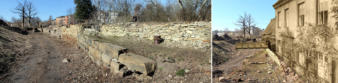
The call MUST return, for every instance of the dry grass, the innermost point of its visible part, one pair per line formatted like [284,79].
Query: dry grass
[248,45]
[197,61]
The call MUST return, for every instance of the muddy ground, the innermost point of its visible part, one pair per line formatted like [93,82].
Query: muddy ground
[46,59]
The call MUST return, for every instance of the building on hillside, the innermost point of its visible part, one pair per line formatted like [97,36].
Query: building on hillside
[64,20]
[59,20]
[306,35]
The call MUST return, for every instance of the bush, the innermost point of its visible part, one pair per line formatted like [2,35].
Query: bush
[180,72]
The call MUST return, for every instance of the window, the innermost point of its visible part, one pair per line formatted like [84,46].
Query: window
[323,17]
[301,20]
[301,14]
[323,12]
[286,16]
[279,20]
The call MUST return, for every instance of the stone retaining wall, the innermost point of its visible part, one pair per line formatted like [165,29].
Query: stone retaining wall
[273,56]
[104,54]
[115,57]
[195,35]
[182,35]
[108,55]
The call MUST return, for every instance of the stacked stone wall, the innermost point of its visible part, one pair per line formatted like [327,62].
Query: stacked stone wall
[182,35]
[108,55]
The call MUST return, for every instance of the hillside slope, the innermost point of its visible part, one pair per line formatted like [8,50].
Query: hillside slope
[12,45]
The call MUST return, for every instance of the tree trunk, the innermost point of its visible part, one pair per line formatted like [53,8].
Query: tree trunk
[23,18]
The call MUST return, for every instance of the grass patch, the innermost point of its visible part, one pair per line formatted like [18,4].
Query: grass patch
[161,68]
[180,72]
[248,45]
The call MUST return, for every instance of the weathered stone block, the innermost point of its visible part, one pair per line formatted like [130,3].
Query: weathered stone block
[112,50]
[106,60]
[114,67]
[109,51]
[138,63]
[96,55]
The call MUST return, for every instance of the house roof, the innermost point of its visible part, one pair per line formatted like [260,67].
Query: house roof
[61,17]
[280,3]
[270,29]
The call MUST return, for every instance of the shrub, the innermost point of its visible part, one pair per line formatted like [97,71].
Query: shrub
[180,72]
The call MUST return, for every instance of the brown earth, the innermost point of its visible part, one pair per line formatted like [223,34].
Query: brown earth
[170,60]
[247,66]
[46,59]
[43,63]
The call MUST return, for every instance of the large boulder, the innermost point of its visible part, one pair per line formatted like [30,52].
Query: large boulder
[138,63]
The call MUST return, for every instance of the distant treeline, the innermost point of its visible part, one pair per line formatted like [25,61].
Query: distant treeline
[151,10]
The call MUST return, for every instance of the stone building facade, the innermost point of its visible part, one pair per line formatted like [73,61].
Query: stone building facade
[306,35]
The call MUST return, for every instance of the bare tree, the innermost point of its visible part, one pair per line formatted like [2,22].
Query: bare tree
[256,31]
[154,10]
[21,11]
[246,22]
[170,10]
[124,8]
[194,10]
[250,23]
[241,22]
[205,10]
[31,12]
[137,9]
[35,22]
[16,22]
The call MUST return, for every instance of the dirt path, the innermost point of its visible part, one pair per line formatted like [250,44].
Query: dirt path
[236,60]
[44,64]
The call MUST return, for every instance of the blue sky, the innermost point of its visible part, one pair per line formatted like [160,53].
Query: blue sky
[225,13]
[45,8]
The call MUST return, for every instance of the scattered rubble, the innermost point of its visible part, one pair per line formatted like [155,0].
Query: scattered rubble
[169,60]
[254,69]
[65,60]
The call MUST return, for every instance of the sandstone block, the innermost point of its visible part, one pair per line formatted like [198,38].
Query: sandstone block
[96,55]
[106,60]
[112,50]
[138,63]
[114,67]
[109,51]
